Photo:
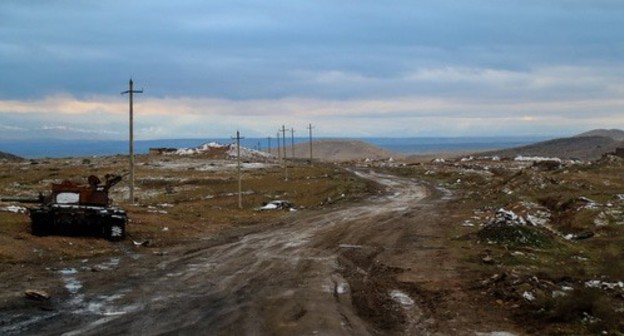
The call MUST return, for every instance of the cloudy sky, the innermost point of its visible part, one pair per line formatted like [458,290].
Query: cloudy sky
[350,68]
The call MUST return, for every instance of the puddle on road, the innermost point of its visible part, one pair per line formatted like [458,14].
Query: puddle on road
[72,284]
[108,265]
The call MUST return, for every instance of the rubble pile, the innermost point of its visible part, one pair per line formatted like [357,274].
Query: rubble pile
[226,151]
[508,228]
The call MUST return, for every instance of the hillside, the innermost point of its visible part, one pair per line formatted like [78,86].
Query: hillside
[341,150]
[584,147]
[614,134]
[10,157]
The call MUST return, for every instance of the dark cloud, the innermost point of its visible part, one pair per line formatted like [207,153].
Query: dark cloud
[254,49]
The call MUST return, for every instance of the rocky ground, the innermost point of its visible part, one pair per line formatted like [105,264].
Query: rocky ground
[449,247]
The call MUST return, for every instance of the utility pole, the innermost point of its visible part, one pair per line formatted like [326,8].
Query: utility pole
[269,138]
[292,141]
[310,129]
[130,93]
[284,140]
[279,149]
[238,165]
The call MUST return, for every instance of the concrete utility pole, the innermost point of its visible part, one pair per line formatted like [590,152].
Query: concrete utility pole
[269,138]
[284,140]
[310,129]
[130,93]
[292,141]
[238,165]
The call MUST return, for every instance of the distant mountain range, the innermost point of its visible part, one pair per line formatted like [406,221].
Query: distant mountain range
[589,145]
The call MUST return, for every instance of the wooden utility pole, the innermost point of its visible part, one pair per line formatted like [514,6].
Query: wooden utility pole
[292,141]
[310,129]
[130,93]
[284,140]
[238,165]
[279,149]
[269,138]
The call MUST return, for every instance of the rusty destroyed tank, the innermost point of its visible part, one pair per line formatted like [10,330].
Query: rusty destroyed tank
[73,209]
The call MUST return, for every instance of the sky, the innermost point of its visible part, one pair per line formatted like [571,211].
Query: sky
[425,68]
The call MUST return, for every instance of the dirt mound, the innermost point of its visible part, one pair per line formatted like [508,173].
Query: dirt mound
[579,147]
[342,150]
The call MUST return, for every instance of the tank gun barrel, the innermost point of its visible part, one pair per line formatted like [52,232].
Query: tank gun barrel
[21,200]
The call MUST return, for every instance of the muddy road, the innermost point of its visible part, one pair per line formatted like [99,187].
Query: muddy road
[374,268]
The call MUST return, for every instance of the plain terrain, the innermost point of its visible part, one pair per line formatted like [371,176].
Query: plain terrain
[447,247]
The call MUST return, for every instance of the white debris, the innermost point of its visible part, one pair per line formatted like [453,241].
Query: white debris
[558,294]
[535,159]
[276,205]
[537,221]
[528,296]
[14,209]
[604,285]
[401,298]
[506,217]
[467,223]
[342,288]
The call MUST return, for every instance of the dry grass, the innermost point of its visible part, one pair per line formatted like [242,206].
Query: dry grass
[179,199]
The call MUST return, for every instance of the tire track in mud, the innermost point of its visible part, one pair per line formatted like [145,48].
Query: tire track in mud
[331,272]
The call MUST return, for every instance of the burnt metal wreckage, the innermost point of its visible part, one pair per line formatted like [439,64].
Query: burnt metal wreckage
[73,209]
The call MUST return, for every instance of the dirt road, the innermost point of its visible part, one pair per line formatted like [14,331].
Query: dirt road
[367,269]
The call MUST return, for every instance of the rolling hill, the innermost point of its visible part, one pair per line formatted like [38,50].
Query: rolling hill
[10,157]
[341,150]
[589,145]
